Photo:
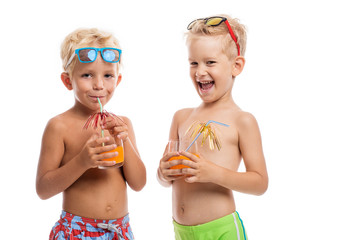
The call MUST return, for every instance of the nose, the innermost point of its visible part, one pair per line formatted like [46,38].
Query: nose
[200,71]
[98,83]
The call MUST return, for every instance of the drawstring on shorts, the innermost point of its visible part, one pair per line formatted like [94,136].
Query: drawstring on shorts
[110,227]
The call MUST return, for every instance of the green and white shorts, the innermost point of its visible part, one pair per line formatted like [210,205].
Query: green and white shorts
[230,227]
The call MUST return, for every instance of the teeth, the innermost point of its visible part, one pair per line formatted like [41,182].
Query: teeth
[205,85]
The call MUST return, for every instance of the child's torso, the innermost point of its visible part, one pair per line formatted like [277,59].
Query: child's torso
[196,203]
[98,194]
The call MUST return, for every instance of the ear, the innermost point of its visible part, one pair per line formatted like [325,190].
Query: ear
[119,79]
[239,64]
[65,78]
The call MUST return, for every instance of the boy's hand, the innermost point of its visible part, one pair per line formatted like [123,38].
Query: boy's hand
[164,167]
[92,154]
[201,170]
[117,128]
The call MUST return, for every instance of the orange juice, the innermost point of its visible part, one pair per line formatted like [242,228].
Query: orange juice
[180,166]
[119,158]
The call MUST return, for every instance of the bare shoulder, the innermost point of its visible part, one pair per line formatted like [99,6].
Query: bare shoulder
[129,125]
[245,120]
[179,117]
[62,125]
[182,114]
[52,146]
[125,119]
[56,124]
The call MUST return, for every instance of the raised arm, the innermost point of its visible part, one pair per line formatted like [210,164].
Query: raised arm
[134,168]
[165,175]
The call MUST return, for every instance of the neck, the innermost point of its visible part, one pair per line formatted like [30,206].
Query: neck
[225,101]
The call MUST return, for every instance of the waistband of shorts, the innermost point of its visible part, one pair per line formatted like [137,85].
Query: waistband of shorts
[120,221]
[228,219]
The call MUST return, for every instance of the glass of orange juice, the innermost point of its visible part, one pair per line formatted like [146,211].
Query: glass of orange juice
[182,145]
[119,159]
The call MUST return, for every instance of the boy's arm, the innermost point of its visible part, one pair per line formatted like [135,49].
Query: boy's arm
[161,179]
[52,178]
[253,181]
[134,168]
[165,175]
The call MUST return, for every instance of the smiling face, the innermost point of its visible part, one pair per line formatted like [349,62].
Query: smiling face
[210,69]
[93,80]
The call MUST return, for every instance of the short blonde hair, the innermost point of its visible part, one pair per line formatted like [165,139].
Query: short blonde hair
[84,37]
[199,28]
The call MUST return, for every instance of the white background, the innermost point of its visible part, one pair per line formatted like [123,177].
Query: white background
[300,82]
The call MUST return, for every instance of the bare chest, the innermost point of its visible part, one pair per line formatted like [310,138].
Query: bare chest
[216,138]
[75,140]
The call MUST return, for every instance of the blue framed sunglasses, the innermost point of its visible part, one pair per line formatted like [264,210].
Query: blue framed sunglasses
[88,55]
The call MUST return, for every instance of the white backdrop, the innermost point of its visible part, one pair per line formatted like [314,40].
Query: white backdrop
[300,82]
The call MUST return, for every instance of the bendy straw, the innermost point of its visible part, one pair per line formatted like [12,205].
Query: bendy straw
[202,129]
[98,118]
[101,111]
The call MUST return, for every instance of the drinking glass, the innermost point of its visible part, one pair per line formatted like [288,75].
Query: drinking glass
[182,145]
[119,159]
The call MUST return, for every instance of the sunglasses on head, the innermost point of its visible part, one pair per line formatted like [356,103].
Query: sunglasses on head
[88,55]
[216,21]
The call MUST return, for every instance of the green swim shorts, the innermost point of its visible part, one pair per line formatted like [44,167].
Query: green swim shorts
[229,227]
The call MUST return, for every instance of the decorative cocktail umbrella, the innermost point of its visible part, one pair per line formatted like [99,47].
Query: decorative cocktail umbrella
[208,132]
[95,119]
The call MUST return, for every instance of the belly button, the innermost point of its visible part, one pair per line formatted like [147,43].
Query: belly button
[182,208]
[108,209]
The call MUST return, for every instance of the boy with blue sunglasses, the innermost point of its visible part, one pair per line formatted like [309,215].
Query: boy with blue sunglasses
[203,205]
[94,199]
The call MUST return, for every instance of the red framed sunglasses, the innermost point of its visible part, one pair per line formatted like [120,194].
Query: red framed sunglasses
[216,21]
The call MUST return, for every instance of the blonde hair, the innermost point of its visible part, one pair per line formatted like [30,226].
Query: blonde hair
[84,37]
[199,28]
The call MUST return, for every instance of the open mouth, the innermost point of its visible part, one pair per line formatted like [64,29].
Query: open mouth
[205,86]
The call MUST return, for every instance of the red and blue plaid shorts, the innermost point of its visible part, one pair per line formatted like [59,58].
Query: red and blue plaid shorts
[71,227]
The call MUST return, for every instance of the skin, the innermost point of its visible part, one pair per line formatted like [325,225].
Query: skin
[203,192]
[70,155]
